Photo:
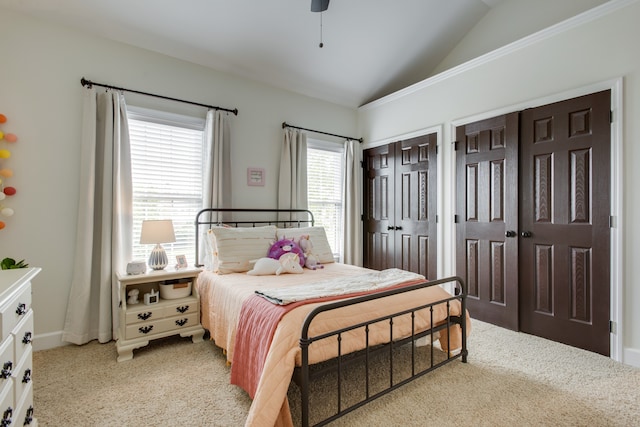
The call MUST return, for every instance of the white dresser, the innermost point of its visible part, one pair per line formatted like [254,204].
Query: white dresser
[16,324]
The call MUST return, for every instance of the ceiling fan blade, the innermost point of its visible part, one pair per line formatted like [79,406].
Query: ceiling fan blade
[319,5]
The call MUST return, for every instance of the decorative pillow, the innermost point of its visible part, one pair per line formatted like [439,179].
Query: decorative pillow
[286,246]
[318,237]
[235,247]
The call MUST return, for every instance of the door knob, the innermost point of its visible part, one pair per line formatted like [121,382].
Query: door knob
[398,227]
[526,234]
[390,227]
[510,233]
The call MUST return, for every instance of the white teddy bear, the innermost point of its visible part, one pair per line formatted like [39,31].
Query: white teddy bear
[288,263]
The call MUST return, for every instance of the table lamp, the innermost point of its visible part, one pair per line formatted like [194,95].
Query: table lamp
[157,231]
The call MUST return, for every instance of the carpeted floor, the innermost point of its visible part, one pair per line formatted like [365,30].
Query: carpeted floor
[511,379]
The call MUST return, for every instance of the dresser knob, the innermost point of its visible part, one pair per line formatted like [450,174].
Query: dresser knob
[28,419]
[7,369]
[27,376]
[21,309]
[181,322]
[182,308]
[6,417]
[27,338]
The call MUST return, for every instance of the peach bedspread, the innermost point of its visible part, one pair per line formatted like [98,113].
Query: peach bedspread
[222,298]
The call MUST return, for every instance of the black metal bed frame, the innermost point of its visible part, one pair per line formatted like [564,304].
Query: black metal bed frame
[303,374]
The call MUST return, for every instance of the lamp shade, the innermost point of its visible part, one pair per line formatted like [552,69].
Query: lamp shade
[157,231]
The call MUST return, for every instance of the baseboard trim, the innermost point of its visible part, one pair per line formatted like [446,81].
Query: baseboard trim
[631,357]
[47,341]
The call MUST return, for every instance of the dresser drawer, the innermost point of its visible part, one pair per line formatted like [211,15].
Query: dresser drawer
[23,336]
[7,405]
[22,376]
[23,414]
[7,361]
[144,313]
[14,310]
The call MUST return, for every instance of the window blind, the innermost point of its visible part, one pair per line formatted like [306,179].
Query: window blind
[167,170]
[324,186]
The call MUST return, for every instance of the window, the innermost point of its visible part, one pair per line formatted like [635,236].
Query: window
[167,170]
[324,186]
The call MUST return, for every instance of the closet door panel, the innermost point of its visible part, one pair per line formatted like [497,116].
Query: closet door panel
[565,179]
[487,217]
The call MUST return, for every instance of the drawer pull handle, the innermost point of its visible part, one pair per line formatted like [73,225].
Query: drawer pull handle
[145,329]
[27,376]
[181,322]
[7,370]
[182,308]
[21,309]
[6,417]
[27,338]
[144,316]
[28,419]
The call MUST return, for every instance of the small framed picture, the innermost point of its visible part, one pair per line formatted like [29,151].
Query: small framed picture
[255,176]
[182,261]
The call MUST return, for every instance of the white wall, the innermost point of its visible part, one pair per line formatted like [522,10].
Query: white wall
[567,62]
[40,93]
[509,21]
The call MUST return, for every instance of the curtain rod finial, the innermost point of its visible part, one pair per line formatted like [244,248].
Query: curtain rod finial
[284,125]
[85,82]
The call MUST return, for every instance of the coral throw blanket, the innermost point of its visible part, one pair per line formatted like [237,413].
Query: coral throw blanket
[259,319]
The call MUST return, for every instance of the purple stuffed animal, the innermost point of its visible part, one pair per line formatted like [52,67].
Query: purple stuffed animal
[286,246]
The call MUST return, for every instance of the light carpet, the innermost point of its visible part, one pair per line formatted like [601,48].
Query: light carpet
[511,379]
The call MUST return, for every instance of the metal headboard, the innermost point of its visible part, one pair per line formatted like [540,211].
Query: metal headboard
[282,218]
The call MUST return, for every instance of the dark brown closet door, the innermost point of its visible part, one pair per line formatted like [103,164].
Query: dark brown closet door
[565,208]
[487,217]
[400,206]
[415,205]
[379,211]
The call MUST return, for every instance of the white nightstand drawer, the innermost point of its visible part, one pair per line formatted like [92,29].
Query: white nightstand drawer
[144,313]
[14,310]
[178,322]
[23,336]
[184,306]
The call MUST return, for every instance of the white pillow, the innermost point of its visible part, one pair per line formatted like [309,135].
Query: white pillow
[235,247]
[318,237]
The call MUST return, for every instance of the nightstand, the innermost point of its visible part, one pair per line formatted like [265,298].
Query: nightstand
[141,323]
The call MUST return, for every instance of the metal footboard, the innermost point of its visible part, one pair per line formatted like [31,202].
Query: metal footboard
[303,375]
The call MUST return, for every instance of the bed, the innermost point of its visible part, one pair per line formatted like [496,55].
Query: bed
[301,327]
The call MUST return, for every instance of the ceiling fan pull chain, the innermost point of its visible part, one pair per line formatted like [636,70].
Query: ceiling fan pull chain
[321,44]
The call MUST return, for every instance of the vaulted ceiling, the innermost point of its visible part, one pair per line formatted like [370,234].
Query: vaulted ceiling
[370,47]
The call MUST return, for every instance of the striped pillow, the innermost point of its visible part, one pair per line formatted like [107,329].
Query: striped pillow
[235,247]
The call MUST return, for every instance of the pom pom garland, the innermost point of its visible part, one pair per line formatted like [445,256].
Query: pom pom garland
[5,172]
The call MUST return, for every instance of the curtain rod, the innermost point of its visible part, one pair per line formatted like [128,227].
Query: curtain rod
[89,83]
[286,125]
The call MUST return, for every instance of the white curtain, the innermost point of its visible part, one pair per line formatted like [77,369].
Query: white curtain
[352,197]
[103,234]
[292,184]
[217,173]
